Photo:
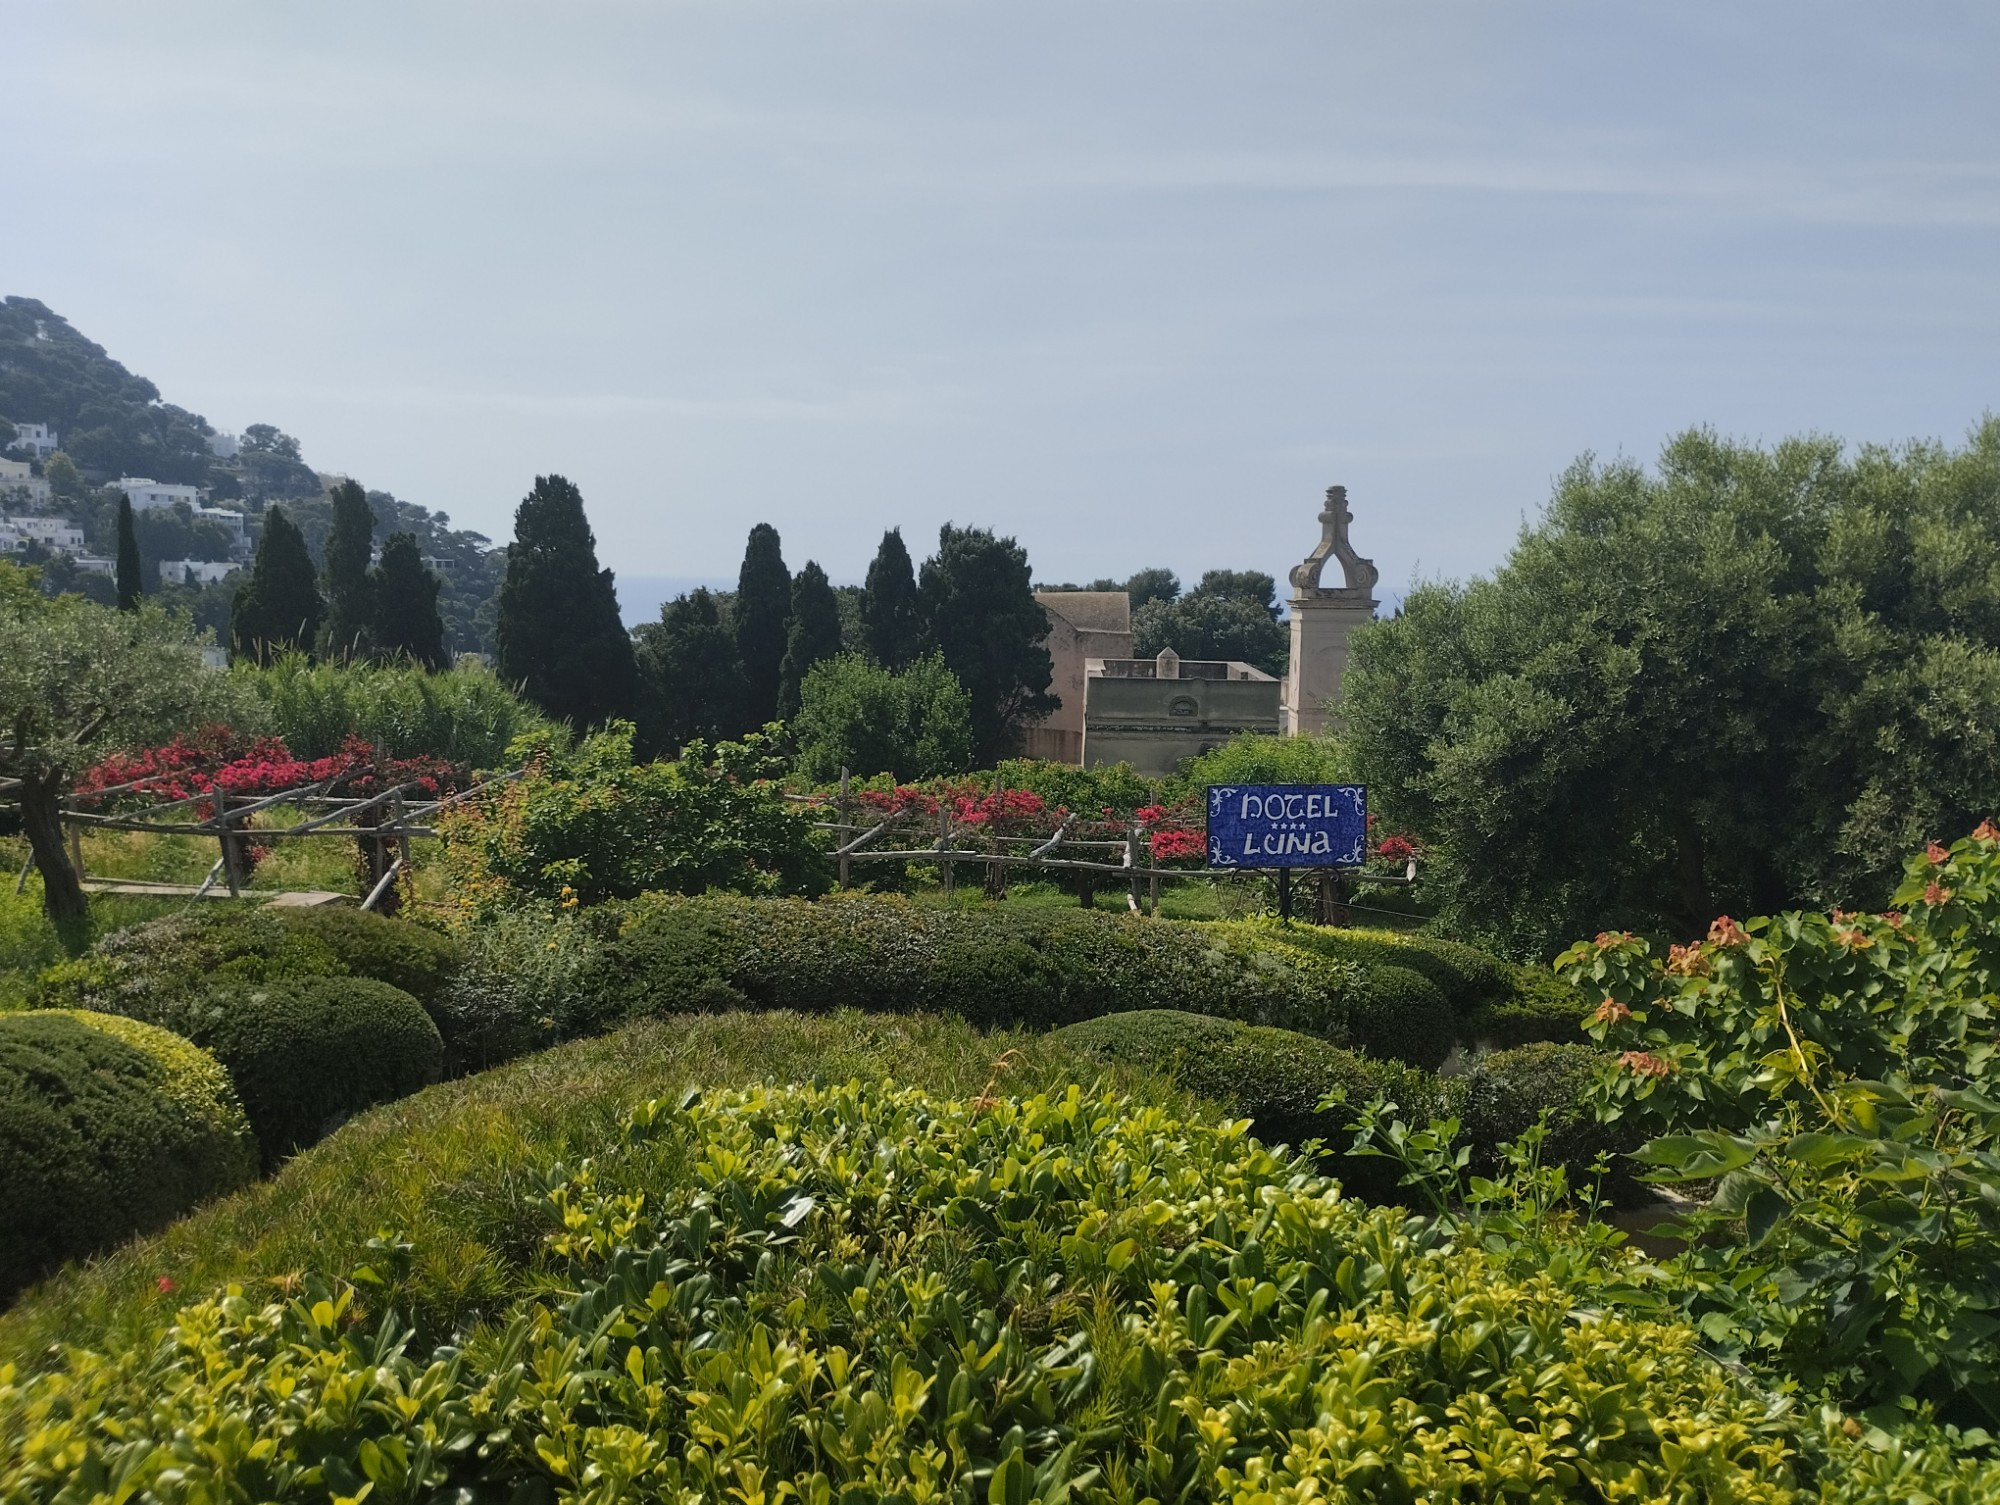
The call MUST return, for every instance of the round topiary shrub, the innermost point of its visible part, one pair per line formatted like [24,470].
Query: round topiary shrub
[1276,1078]
[412,957]
[108,1127]
[1538,1005]
[307,1055]
[158,970]
[1505,1092]
[1398,1013]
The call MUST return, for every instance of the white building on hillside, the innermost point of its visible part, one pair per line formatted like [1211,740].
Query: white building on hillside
[196,571]
[36,439]
[229,519]
[18,480]
[224,446]
[147,494]
[56,533]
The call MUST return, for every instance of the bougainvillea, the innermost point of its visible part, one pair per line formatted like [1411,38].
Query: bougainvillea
[216,758]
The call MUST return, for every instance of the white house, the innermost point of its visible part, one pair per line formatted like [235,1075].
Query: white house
[36,439]
[17,478]
[147,494]
[231,520]
[196,571]
[57,533]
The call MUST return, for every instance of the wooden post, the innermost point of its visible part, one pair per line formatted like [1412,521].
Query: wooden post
[1132,866]
[21,883]
[76,850]
[229,863]
[996,872]
[1285,895]
[944,845]
[845,834]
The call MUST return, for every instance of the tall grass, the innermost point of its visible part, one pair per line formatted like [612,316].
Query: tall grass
[454,1171]
[463,714]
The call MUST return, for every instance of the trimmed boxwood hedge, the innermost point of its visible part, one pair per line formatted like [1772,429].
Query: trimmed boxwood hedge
[1038,968]
[307,1054]
[1276,1078]
[159,970]
[108,1127]
[1505,1091]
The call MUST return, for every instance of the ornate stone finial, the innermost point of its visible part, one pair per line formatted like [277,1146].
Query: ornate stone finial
[1359,575]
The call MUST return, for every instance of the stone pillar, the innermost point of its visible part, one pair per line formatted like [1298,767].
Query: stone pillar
[1324,617]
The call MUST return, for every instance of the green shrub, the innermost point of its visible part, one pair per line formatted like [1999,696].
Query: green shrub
[525,980]
[1539,1006]
[462,715]
[835,1293]
[108,1128]
[1033,967]
[306,1055]
[1506,1091]
[1467,976]
[1275,1078]
[412,957]
[159,971]
[1398,1013]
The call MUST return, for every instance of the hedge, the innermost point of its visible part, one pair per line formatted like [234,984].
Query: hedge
[108,1127]
[1030,967]
[848,1293]
[159,971]
[1275,1078]
[307,1054]
[1506,1091]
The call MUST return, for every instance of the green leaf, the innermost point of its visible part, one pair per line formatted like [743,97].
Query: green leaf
[1695,1157]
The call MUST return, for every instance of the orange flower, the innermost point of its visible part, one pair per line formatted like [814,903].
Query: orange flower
[1643,1063]
[1854,938]
[1936,893]
[1610,1012]
[1606,939]
[1936,853]
[1987,832]
[1894,917]
[1726,932]
[1684,961]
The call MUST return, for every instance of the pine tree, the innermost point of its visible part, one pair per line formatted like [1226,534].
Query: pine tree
[557,634]
[893,630]
[979,607]
[812,634]
[692,677]
[278,609]
[763,610]
[404,594]
[345,583]
[131,574]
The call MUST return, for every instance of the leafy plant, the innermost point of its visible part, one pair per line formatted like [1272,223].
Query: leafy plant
[1829,1084]
[584,826]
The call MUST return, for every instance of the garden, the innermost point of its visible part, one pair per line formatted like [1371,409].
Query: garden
[643,1152]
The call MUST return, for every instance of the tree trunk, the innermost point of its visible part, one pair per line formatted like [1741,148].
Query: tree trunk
[41,816]
[1691,876]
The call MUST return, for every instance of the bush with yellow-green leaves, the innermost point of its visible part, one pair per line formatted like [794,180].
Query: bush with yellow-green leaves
[848,1293]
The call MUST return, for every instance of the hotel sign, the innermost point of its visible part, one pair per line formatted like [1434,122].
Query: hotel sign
[1287,825]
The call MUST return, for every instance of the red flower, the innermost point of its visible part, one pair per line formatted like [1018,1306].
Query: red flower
[163,1285]
[1726,932]
[1395,848]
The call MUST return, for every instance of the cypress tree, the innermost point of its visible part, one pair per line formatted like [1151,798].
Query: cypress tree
[692,677]
[278,609]
[131,575]
[556,633]
[345,583]
[979,608]
[763,612]
[812,634]
[893,629]
[405,596]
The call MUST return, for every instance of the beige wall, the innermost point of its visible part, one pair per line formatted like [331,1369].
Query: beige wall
[1154,723]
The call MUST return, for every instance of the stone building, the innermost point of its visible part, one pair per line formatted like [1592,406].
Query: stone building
[1324,618]
[1083,625]
[1154,712]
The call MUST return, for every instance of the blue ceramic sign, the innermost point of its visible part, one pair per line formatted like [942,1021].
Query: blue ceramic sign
[1287,825]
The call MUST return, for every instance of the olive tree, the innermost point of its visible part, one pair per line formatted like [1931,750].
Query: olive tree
[79,681]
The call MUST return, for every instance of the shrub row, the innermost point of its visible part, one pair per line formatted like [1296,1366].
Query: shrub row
[867,1293]
[1277,1079]
[108,1127]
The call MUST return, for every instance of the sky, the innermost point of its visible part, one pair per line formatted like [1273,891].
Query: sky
[1131,282]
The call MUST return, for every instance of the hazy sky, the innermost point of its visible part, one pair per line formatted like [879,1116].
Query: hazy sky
[1133,282]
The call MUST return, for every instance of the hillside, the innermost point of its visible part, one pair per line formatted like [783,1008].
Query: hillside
[112,423]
